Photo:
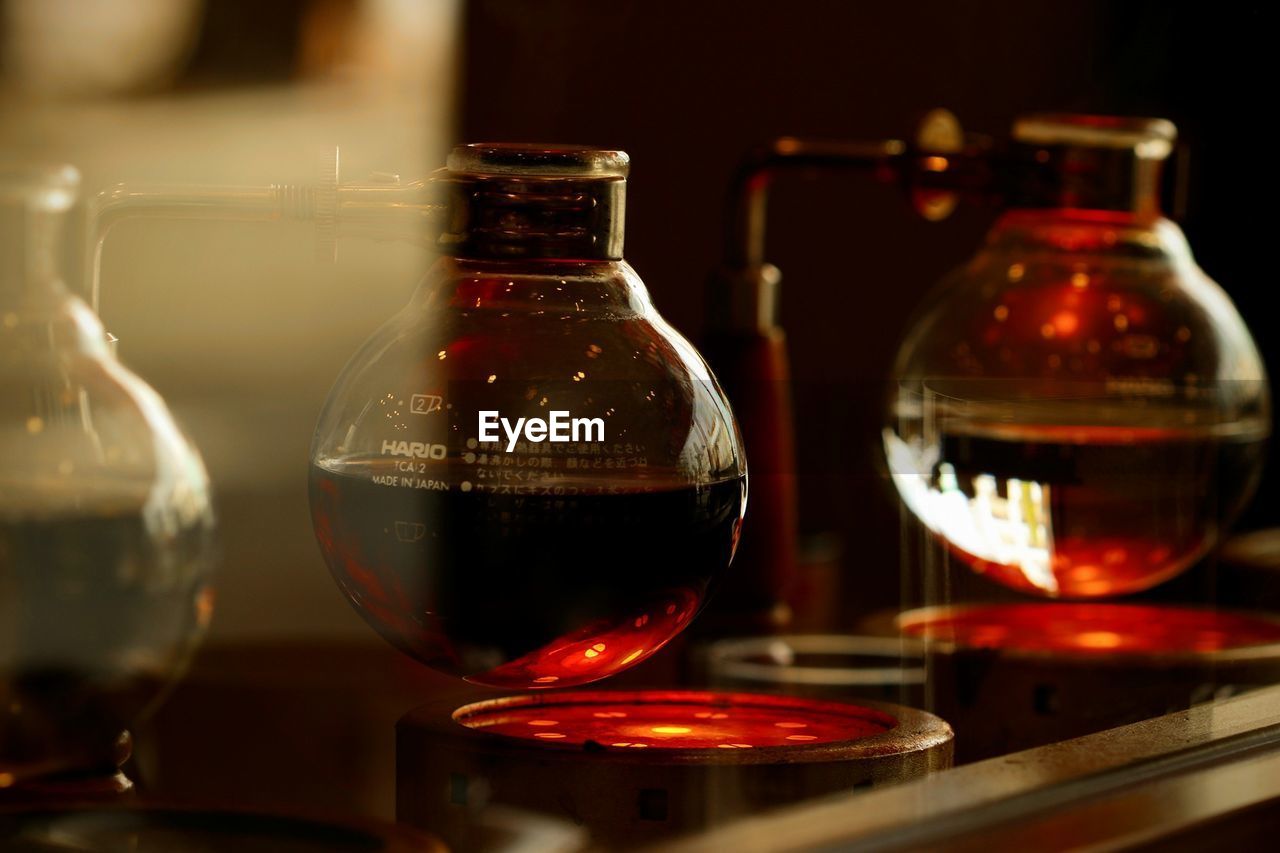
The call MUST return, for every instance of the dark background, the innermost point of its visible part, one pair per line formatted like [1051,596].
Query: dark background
[687,88]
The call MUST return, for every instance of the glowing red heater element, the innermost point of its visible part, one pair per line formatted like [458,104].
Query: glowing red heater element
[673,720]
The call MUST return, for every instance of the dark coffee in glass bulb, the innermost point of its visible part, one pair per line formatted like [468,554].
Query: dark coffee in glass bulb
[565,586]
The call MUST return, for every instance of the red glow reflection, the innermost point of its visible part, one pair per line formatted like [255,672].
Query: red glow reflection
[665,719]
[1092,628]
[598,650]
[1096,568]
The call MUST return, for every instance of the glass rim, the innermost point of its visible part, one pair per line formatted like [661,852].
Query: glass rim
[1149,138]
[904,660]
[536,160]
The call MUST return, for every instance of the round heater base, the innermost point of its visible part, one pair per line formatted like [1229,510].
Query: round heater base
[1015,676]
[632,766]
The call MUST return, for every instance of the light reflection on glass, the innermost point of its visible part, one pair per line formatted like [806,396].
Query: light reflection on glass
[1009,525]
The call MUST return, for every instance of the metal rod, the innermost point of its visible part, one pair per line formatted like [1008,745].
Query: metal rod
[385,208]
[748,192]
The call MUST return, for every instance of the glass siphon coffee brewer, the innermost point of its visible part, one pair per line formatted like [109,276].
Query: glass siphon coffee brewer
[1074,415]
[105,515]
[1079,410]
[526,477]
